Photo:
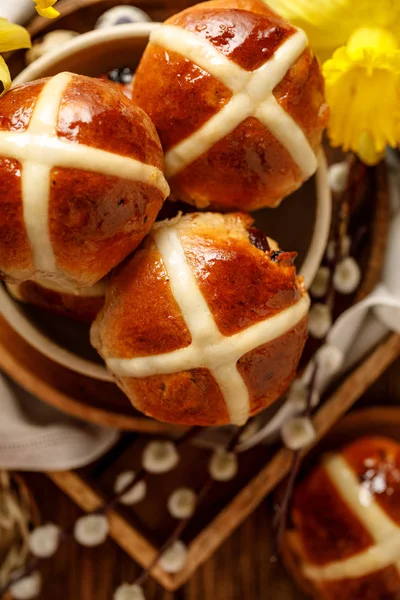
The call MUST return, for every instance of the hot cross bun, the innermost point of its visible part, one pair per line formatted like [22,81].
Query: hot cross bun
[345,540]
[205,323]
[81,179]
[237,98]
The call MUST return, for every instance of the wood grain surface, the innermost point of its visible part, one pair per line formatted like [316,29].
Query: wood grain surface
[141,530]
[239,570]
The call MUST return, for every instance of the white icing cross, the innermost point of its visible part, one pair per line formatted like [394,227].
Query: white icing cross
[252,96]
[39,150]
[376,521]
[209,347]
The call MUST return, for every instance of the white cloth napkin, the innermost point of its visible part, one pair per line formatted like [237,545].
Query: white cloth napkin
[38,437]
[361,327]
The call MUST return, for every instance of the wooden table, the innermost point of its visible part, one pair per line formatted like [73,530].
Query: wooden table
[240,570]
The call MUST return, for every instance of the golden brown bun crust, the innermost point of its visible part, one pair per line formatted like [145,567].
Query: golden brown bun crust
[248,168]
[73,305]
[237,302]
[189,397]
[269,369]
[116,124]
[267,372]
[242,286]
[15,250]
[327,530]
[95,220]
[18,104]
[132,323]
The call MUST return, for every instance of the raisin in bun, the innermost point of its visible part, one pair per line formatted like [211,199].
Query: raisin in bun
[345,540]
[81,179]
[122,78]
[82,304]
[205,323]
[237,98]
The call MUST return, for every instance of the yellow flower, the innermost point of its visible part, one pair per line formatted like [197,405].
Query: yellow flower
[45,8]
[363,90]
[12,37]
[330,23]
[361,41]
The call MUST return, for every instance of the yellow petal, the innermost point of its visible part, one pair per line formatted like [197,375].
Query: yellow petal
[49,13]
[13,37]
[45,3]
[367,150]
[45,8]
[330,23]
[362,83]
[5,77]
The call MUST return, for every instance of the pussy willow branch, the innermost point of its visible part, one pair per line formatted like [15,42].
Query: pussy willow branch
[110,504]
[282,514]
[142,473]
[181,527]
[281,517]
[341,224]
[340,228]
[177,532]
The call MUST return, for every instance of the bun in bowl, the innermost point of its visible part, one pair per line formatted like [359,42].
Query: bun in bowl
[81,179]
[205,323]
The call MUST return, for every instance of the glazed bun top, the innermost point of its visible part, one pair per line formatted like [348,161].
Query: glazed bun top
[347,515]
[237,99]
[224,337]
[81,179]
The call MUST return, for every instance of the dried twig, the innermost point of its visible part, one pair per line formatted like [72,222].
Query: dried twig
[283,510]
[178,531]
[176,534]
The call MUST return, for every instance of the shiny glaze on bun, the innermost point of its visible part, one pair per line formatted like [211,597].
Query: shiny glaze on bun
[198,283]
[248,168]
[74,224]
[346,517]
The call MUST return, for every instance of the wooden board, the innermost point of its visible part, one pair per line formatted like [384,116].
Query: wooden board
[141,530]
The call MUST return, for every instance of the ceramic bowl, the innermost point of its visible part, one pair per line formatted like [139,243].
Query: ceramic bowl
[301,223]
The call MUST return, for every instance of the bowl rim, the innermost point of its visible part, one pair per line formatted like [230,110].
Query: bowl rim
[84,40]
[322,223]
[12,311]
